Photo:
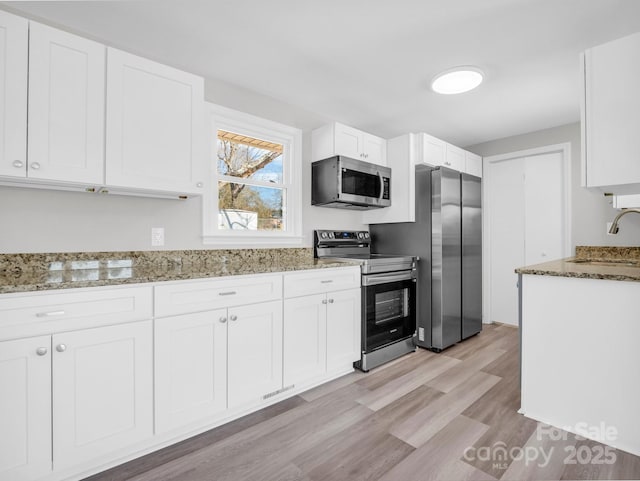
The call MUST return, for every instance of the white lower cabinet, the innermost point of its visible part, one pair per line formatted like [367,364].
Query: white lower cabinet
[343,328]
[190,368]
[305,338]
[321,334]
[102,391]
[254,352]
[25,408]
[322,324]
[86,375]
[72,397]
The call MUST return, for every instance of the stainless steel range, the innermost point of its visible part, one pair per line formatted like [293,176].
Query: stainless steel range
[388,294]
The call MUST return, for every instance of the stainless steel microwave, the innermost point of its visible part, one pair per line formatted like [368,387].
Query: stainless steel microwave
[348,183]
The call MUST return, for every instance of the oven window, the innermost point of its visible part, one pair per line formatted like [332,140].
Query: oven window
[391,306]
[360,183]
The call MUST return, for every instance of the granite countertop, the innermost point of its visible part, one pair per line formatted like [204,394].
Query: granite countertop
[38,272]
[593,262]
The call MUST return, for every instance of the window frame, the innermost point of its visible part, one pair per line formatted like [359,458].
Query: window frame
[223,118]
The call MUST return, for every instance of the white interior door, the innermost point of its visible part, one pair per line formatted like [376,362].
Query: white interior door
[544,212]
[507,237]
[526,221]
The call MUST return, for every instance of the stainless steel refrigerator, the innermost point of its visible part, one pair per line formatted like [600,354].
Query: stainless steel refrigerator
[447,237]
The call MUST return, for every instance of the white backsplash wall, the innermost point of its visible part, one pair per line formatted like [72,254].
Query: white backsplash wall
[591,210]
[39,220]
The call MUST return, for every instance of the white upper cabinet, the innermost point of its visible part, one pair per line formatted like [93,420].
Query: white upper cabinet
[340,139]
[611,116]
[14,42]
[155,126]
[454,158]
[434,152]
[431,151]
[66,107]
[473,164]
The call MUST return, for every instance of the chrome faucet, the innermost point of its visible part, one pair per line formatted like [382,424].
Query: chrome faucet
[614,225]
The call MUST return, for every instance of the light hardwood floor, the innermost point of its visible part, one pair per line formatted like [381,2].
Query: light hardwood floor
[425,416]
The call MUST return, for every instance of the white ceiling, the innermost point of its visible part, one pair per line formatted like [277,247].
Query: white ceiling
[368,63]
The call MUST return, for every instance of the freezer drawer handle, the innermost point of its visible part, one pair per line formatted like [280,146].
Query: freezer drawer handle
[230,293]
[326,282]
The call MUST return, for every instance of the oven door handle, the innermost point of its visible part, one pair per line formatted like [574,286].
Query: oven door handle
[376,279]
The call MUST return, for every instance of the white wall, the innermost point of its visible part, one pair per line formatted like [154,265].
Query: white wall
[34,220]
[591,210]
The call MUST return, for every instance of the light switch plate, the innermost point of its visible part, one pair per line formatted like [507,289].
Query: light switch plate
[157,236]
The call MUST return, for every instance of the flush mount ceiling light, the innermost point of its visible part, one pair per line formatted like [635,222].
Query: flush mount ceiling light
[457,80]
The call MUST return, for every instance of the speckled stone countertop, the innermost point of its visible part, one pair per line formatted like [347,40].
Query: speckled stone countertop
[37,272]
[593,262]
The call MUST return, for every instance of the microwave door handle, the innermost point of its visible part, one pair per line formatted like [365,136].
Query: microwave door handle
[381,186]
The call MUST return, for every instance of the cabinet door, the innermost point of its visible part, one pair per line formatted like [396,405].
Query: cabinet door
[254,356]
[613,115]
[454,158]
[25,408]
[343,328]
[102,391]
[305,338]
[375,149]
[190,368]
[14,42]
[473,164]
[66,106]
[349,142]
[155,122]
[432,150]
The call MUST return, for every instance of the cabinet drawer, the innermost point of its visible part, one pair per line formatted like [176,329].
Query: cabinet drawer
[182,298]
[33,314]
[325,280]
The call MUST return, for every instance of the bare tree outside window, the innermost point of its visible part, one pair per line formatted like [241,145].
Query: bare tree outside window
[251,195]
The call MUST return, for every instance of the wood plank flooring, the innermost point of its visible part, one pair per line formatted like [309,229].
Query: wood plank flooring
[425,416]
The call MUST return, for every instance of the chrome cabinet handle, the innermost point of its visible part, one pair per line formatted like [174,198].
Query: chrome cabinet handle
[230,293]
[35,165]
[223,319]
[330,301]
[18,164]
[324,301]
[199,185]
[61,347]
[233,317]
[327,281]
[41,351]
[49,314]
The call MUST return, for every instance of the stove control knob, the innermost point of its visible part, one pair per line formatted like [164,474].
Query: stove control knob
[323,235]
[331,235]
[366,235]
[360,235]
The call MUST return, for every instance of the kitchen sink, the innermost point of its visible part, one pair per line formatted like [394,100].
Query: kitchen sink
[608,263]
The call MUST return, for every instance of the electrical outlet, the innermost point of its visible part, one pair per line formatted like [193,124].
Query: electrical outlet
[157,236]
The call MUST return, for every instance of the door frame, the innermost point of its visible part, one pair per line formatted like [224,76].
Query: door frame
[563,148]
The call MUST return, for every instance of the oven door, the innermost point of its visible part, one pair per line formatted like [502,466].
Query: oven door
[389,308]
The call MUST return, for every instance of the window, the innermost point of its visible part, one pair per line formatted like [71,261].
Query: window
[254,193]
